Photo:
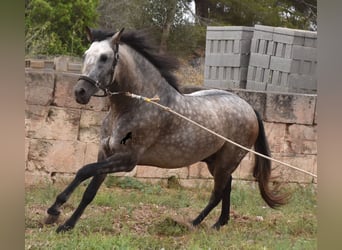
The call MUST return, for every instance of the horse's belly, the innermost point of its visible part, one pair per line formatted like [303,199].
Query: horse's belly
[179,153]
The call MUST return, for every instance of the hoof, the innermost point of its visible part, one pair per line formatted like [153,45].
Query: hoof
[51,219]
[63,228]
[216,226]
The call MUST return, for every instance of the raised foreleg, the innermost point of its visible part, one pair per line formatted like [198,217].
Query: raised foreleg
[121,162]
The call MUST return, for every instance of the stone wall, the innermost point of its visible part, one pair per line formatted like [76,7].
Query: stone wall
[61,135]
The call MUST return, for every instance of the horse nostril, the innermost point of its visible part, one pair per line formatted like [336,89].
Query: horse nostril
[80,92]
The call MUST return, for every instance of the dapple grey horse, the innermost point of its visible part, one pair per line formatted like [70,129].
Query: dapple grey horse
[136,132]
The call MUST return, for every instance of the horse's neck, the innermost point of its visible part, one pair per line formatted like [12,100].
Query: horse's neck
[143,79]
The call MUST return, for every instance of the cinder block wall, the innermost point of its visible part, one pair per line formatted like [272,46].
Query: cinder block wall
[283,60]
[261,58]
[61,135]
[227,56]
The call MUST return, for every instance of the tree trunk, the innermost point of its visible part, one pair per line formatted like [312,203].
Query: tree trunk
[170,16]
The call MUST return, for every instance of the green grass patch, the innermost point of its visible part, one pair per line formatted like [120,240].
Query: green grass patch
[129,214]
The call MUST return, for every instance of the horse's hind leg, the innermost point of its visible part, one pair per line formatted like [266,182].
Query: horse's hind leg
[217,193]
[224,217]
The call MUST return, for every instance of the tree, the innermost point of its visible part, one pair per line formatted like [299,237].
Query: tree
[301,14]
[57,26]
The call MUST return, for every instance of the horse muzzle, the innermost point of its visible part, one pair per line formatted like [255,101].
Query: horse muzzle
[83,91]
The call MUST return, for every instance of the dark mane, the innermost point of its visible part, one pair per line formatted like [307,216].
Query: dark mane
[139,41]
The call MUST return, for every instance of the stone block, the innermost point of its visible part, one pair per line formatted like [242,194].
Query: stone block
[197,183]
[199,170]
[75,67]
[286,174]
[36,178]
[301,139]
[155,172]
[245,168]
[27,146]
[37,64]
[53,123]
[290,108]
[64,94]
[275,134]
[90,125]
[255,98]
[91,153]
[39,87]
[55,156]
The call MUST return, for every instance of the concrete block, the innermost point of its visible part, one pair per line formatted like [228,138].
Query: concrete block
[262,47]
[55,156]
[236,47]
[260,74]
[270,47]
[254,45]
[229,60]
[263,32]
[282,64]
[260,60]
[64,94]
[229,32]
[288,50]
[245,46]
[251,73]
[302,82]
[304,53]
[53,123]
[280,50]
[290,108]
[39,87]
[290,36]
[253,85]
[305,68]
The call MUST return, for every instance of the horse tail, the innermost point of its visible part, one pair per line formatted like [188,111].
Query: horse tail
[262,169]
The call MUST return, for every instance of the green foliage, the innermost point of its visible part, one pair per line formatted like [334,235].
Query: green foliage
[55,27]
[285,13]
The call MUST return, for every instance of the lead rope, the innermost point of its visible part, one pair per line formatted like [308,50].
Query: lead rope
[155,100]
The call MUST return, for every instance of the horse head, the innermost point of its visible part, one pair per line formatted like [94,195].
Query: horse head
[100,60]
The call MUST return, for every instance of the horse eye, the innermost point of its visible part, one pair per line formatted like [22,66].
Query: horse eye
[103,58]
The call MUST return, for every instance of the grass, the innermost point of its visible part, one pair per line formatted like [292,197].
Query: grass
[128,214]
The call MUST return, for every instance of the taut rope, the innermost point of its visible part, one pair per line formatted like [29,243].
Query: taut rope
[155,100]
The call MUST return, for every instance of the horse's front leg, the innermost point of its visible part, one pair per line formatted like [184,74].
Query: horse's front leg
[120,162]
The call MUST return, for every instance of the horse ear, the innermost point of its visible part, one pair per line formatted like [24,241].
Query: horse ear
[89,34]
[117,36]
